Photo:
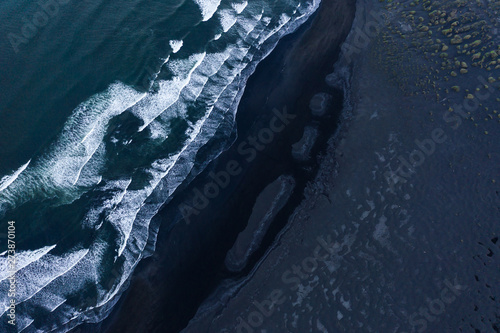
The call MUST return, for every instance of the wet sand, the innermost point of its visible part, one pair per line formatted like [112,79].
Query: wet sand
[362,254]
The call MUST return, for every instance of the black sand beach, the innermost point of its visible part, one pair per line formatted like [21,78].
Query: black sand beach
[364,253]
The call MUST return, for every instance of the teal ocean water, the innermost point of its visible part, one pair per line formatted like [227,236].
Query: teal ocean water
[105,109]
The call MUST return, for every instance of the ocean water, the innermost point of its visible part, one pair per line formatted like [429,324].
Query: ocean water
[104,109]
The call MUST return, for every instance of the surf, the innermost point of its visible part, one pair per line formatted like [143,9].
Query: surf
[110,160]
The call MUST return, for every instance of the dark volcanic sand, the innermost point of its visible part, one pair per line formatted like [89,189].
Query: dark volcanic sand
[359,255]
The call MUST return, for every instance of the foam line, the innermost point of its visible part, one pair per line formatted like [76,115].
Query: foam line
[208,8]
[7,180]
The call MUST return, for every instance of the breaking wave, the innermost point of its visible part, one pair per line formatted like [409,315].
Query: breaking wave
[120,156]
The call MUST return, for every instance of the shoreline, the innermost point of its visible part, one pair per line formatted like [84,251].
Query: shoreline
[180,258]
[358,255]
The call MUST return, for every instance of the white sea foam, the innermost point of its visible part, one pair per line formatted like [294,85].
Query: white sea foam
[90,121]
[208,8]
[284,19]
[7,180]
[115,190]
[23,259]
[74,160]
[60,167]
[227,19]
[239,7]
[24,322]
[154,104]
[176,45]
[32,278]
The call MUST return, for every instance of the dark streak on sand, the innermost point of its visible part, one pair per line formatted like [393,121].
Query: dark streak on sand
[188,264]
